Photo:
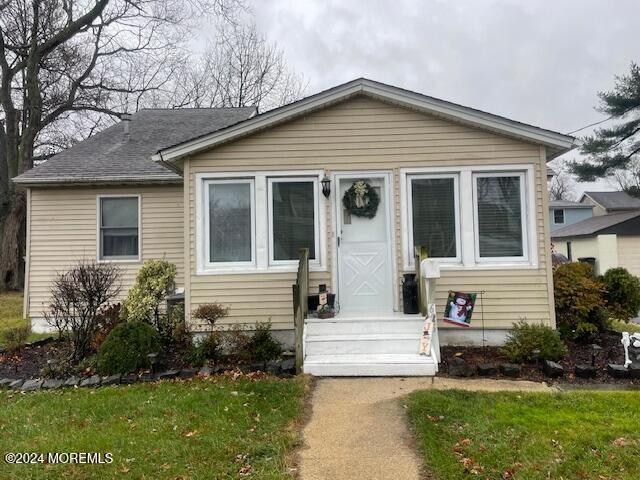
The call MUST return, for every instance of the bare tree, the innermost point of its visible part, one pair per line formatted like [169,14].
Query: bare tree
[562,186]
[628,179]
[64,65]
[240,68]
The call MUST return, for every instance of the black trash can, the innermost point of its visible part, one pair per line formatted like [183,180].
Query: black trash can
[410,303]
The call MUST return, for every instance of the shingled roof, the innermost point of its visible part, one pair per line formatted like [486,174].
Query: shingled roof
[113,156]
[614,200]
[626,223]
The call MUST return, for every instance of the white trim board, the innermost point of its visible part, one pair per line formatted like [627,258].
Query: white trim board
[556,142]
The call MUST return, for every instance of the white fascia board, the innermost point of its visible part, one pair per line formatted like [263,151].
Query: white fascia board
[388,93]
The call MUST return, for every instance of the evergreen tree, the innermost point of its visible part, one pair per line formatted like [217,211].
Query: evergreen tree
[611,151]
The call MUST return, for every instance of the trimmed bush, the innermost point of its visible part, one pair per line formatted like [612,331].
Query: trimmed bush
[263,347]
[207,349]
[526,337]
[126,348]
[210,313]
[154,282]
[579,300]
[623,293]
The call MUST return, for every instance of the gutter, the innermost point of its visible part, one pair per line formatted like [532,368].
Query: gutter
[102,180]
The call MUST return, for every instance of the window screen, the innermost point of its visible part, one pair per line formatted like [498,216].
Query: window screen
[434,216]
[293,219]
[230,223]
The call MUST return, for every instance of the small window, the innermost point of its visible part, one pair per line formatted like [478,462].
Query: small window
[293,218]
[500,218]
[230,221]
[433,214]
[119,228]
[558,217]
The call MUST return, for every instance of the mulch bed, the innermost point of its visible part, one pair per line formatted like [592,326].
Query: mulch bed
[579,353]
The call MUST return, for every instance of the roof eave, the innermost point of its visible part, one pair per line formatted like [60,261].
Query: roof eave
[557,143]
[99,180]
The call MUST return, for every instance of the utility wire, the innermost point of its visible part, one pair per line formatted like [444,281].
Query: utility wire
[591,125]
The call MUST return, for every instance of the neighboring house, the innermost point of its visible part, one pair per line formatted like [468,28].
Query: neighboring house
[230,197]
[612,240]
[610,202]
[564,212]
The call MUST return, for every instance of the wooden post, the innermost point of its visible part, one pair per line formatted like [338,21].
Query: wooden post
[300,292]
[421,254]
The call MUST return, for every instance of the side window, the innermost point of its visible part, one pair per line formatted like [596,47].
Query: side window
[119,228]
[558,217]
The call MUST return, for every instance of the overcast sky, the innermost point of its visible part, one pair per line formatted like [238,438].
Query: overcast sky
[540,62]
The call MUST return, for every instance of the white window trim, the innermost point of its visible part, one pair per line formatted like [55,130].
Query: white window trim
[554,216]
[467,215]
[524,213]
[128,259]
[316,215]
[409,204]
[261,224]
[222,265]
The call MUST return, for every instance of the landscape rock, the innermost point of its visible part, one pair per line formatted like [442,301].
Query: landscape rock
[31,385]
[16,384]
[128,379]
[585,371]
[510,370]
[92,381]
[53,383]
[5,382]
[288,365]
[552,369]
[146,377]
[205,371]
[458,367]
[634,371]
[111,380]
[71,382]
[617,371]
[274,367]
[43,341]
[188,373]
[487,370]
[168,374]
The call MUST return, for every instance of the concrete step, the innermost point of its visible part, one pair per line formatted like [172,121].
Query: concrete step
[378,365]
[353,326]
[363,343]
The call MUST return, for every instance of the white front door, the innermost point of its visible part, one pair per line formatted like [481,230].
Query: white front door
[365,277]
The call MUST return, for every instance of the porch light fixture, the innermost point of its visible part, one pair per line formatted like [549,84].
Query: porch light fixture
[326,186]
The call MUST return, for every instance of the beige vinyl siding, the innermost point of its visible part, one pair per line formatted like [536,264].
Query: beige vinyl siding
[367,134]
[629,253]
[63,231]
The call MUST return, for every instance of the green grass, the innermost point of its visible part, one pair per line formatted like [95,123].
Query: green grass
[530,436]
[11,314]
[205,429]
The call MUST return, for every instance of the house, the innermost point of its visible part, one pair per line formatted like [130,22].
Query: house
[611,240]
[230,196]
[565,212]
[610,202]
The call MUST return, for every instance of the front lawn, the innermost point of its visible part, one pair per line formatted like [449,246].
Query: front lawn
[213,428]
[11,314]
[529,436]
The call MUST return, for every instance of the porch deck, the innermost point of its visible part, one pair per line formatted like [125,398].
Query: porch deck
[367,345]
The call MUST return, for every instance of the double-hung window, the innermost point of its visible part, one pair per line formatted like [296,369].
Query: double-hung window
[293,218]
[230,222]
[434,215]
[558,216]
[119,228]
[500,217]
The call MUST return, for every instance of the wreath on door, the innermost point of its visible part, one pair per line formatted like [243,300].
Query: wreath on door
[361,200]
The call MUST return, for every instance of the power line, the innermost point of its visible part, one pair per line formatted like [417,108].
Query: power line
[591,125]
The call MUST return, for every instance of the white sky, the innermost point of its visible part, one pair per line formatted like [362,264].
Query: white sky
[540,62]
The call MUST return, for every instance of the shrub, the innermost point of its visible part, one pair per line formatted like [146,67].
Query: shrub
[623,293]
[77,297]
[236,342]
[126,348]
[15,338]
[208,348]
[210,312]
[526,337]
[263,347]
[579,300]
[108,318]
[155,280]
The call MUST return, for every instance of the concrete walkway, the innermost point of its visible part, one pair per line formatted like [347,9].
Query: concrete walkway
[358,427]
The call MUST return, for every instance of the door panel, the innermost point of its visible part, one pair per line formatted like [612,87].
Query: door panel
[364,260]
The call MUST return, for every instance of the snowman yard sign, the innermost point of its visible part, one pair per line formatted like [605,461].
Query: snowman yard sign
[459,308]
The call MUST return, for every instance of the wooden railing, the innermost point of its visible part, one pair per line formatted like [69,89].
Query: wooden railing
[420,254]
[300,305]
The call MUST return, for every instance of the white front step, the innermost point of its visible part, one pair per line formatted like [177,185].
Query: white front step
[335,326]
[371,365]
[363,343]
